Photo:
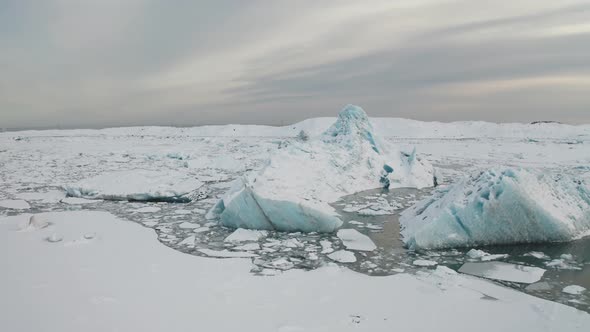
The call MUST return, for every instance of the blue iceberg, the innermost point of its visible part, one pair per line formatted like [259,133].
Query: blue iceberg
[496,207]
[292,192]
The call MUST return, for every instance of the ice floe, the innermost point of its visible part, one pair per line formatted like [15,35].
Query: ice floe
[504,271]
[484,256]
[500,207]
[574,289]
[244,235]
[424,262]
[137,185]
[354,240]
[343,256]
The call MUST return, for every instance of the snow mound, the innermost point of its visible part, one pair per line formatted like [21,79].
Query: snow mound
[293,190]
[500,207]
[137,185]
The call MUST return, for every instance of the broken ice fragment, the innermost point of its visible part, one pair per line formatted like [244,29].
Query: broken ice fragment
[343,256]
[136,185]
[424,262]
[504,271]
[243,235]
[574,290]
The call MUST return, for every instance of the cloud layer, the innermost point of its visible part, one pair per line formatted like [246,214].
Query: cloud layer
[72,63]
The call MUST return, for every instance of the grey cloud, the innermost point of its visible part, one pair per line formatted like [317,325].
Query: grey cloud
[49,80]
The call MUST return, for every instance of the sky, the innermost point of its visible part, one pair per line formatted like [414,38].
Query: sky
[91,64]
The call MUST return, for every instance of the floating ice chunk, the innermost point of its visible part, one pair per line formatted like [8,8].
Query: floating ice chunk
[182,211]
[291,243]
[188,225]
[574,289]
[379,207]
[475,253]
[562,264]
[567,257]
[484,256]
[226,253]
[147,209]
[500,207]
[293,191]
[538,255]
[342,256]
[424,262]
[493,257]
[243,235]
[326,246]
[77,200]
[15,204]
[201,230]
[354,240]
[189,241]
[374,227]
[280,264]
[137,185]
[504,271]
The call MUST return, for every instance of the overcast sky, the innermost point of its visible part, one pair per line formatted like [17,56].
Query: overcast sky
[76,63]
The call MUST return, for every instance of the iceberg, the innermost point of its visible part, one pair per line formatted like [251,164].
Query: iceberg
[137,185]
[293,190]
[496,207]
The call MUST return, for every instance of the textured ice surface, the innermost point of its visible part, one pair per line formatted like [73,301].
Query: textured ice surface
[500,207]
[136,185]
[504,271]
[293,191]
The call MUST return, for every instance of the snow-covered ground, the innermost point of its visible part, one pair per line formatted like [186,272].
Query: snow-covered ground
[78,269]
[107,274]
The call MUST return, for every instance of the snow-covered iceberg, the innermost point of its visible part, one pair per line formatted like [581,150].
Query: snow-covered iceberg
[500,207]
[293,190]
[137,185]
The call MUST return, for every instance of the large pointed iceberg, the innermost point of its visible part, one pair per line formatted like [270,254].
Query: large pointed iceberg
[500,207]
[293,190]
